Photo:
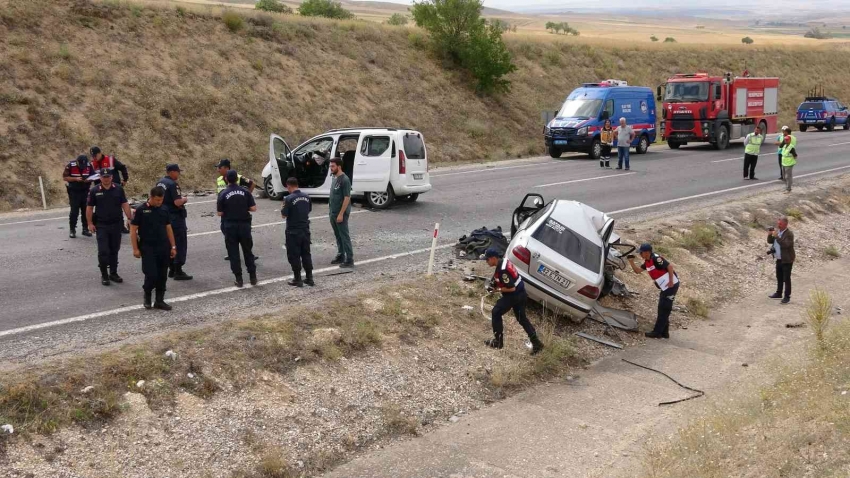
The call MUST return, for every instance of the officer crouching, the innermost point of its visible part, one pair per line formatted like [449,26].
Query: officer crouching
[296,211]
[235,205]
[506,280]
[104,209]
[153,242]
[664,275]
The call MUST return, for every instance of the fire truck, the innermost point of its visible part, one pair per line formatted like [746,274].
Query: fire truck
[698,108]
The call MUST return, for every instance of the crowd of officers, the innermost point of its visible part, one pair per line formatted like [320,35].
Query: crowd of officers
[158,230]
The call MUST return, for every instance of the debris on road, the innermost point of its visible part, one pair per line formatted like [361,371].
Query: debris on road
[87,389]
[795,325]
[8,429]
[171,354]
[472,247]
[140,384]
[597,339]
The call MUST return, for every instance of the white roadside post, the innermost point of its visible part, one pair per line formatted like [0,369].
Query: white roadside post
[43,197]
[433,249]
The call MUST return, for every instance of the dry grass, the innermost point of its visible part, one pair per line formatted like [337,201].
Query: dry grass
[700,237]
[797,426]
[698,307]
[818,313]
[396,422]
[556,359]
[832,252]
[181,81]
[795,213]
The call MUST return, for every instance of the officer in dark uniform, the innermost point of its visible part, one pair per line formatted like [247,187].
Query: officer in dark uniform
[76,175]
[119,170]
[106,203]
[296,211]
[506,280]
[153,241]
[175,203]
[664,275]
[221,184]
[235,205]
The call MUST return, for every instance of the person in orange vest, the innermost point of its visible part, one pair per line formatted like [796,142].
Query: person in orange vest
[666,279]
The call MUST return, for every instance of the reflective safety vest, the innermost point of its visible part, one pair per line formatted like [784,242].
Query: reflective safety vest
[660,276]
[788,159]
[754,144]
[221,184]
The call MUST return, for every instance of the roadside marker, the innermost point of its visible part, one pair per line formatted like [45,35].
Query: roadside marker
[433,249]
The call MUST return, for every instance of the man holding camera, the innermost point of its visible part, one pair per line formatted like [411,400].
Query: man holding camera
[781,240]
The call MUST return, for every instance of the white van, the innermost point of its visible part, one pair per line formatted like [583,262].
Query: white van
[384,164]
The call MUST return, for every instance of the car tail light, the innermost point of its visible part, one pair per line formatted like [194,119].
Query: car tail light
[589,292]
[522,254]
[402,164]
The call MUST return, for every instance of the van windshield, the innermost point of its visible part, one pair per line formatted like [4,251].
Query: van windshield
[585,109]
[687,91]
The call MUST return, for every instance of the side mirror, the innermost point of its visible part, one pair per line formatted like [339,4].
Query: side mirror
[658,95]
[538,202]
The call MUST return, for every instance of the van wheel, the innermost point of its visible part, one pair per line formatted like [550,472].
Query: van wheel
[554,152]
[409,198]
[268,188]
[804,127]
[380,199]
[674,145]
[722,138]
[643,145]
[831,125]
[595,149]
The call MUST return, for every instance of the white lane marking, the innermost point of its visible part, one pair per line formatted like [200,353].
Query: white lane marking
[201,202]
[548,163]
[837,144]
[266,224]
[33,220]
[585,179]
[199,295]
[714,193]
[739,158]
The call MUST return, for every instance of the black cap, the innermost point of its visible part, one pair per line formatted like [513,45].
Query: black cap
[223,162]
[94,151]
[491,252]
[172,167]
[231,176]
[645,247]
[82,158]
[105,172]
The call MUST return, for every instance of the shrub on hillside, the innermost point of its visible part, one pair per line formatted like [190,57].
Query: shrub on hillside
[669,40]
[397,19]
[817,34]
[272,6]
[460,34]
[747,41]
[324,8]
[653,38]
[233,21]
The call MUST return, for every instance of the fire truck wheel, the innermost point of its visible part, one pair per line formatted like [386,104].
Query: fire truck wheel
[673,144]
[722,138]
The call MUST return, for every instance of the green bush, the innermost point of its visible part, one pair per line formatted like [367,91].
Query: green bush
[460,34]
[233,21]
[272,6]
[324,8]
[397,19]
[653,38]
[747,41]
[669,40]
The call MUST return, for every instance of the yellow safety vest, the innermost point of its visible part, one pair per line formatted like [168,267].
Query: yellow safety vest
[221,184]
[788,159]
[754,145]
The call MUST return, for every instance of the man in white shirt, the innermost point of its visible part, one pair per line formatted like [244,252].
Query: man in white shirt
[624,135]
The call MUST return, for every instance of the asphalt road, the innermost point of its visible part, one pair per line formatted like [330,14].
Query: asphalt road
[51,284]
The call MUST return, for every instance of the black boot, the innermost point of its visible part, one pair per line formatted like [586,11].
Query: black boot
[104,277]
[497,342]
[171,271]
[536,344]
[252,277]
[179,274]
[148,300]
[86,232]
[160,301]
[296,280]
[238,282]
[309,279]
[339,259]
[114,277]
[72,234]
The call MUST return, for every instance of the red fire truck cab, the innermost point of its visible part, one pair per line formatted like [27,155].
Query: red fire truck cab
[698,108]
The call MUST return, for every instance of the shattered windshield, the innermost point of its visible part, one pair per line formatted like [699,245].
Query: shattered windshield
[584,109]
[687,91]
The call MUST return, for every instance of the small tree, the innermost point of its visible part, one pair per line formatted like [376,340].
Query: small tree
[550,26]
[747,41]
[669,40]
[272,6]
[557,27]
[502,25]
[653,38]
[324,8]
[397,19]
[488,59]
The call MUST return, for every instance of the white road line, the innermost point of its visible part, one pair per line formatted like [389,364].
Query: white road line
[837,144]
[714,193]
[34,220]
[585,179]
[201,202]
[739,158]
[267,224]
[199,295]
[548,163]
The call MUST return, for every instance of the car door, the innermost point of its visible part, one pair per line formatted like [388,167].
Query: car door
[372,163]
[279,157]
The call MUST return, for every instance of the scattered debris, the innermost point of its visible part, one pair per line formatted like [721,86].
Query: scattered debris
[745,364]
[795,325]
[699,393]
[454,419]
[171,354]
[597,339]
[87,389]
[468,307]
[190,375]
[473,246]
[8,429]
[140,384]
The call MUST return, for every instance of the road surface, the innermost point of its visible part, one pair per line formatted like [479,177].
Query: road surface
[51,284]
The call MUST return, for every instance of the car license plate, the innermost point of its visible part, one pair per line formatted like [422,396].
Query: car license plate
[561,142]
[554,276]
[417,176]
[811,121]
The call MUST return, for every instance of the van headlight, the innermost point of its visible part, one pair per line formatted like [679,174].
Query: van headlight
[582,131]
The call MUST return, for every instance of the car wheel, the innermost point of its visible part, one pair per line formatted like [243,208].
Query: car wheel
[674,145]
[268,187]
[595,149]
[831,125]
[722,138]
[380,199]
[803,128]
[847,124]
[643,145]
[554,152]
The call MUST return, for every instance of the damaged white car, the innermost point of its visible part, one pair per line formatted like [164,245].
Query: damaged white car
[566,253]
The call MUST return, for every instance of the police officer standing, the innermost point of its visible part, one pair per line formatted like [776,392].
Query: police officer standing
[101,161]
[221,184]
[106,203]
[506,280]
[666,279]
[76,177]
[296,211]
[235,205]
[175,204]
[153,241]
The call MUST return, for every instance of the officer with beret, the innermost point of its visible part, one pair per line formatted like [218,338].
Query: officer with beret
[107,204]
[664,275]
[175,203]
[235,205]
[153,242]
[506,279]
[296,211]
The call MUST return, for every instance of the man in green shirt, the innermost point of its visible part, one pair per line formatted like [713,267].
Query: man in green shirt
[340,208]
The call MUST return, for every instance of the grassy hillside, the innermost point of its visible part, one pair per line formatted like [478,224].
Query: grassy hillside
[155,84]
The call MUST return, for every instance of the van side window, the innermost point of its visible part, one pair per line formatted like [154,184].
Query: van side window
[375,145]
[609,107]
